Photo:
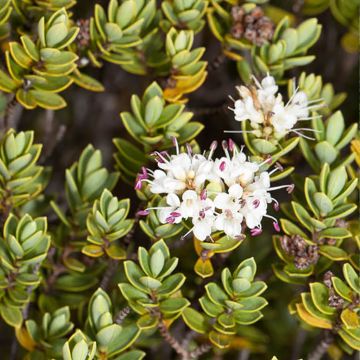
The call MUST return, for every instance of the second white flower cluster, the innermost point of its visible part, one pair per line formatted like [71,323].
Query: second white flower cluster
[226,194]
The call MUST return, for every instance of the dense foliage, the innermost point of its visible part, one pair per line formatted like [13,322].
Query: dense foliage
[191,243]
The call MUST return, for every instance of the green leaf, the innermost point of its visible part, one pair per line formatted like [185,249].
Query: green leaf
[326,152]
[48,100]
[150,282]
[157,262]
[153,110]
[215,293]
[56,34]
[11,315]
[171,284]
[173,305]
[320,296]
[350,319]
[342,289]
[335,128]
[292,229]
[336,182]
[195,320]
[333,253]
[147,321]
[335,233]
[263,146]
[323,203]
[87,82]
[7,84]
[352,277]
[247,318]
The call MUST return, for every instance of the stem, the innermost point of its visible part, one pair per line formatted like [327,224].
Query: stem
[322,347]
[14,349]
[217,62]
[299,342]
[172,341]
[8,111]
[29,290]
[50,281]
[122,314]
[200,350]
[244,354]
[110,271]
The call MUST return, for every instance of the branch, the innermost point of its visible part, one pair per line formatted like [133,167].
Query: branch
[164,331]
[122,314]
[200,350]
[8,111]
[110,271]
[322,347]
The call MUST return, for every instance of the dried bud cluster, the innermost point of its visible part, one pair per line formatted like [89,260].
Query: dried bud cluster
[253,26]
[303,253]
[335,300]
[83,38]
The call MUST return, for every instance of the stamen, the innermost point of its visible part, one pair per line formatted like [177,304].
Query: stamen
[225,147]
[290,188]
[143,212]
[239,131]
[213,147]
[256,81]
[176,144]
[231,98]
[276,226]
[203,195]
[189,149]
[309,118]
[276,205]
[255,231]
[138,184]
[295,90]
[302,135]
[144,172]
[231,145]
[268,160]
[222,166]
[185,235]
[308,129]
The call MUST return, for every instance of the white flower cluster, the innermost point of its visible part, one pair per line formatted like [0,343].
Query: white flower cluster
[225,194]
[269,116]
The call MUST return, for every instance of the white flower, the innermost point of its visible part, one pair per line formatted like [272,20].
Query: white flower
[240,197]
[230,219]
[171,214]
[264,106]
[187,172]
[203,220]
[235,169]
[178,173]
[282,119]
[254,210]
[191,203]
[231,199]
[245,110]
